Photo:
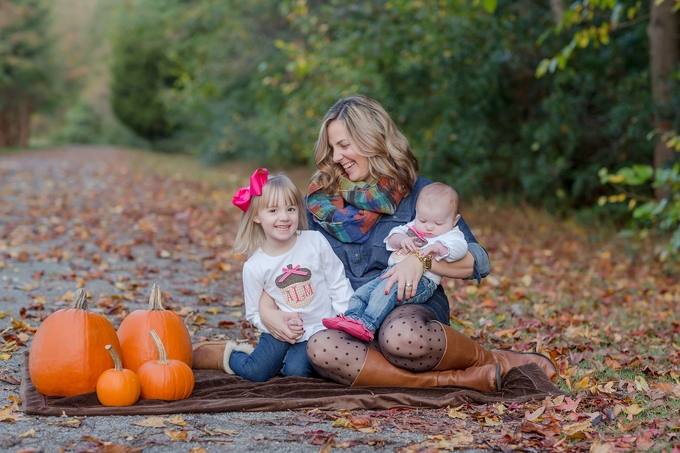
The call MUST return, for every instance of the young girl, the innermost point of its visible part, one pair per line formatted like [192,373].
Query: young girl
[294,267]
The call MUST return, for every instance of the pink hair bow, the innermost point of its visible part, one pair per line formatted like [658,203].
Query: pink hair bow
[242,198]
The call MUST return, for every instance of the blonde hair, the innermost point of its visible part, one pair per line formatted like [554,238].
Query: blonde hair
[279,190]
[440,195]
[372,134]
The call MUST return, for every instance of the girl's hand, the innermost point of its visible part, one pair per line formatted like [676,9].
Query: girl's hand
[281,325]
[407,271]
[295,325]
[276,322]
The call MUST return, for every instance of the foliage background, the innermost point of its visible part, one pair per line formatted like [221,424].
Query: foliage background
[231,79]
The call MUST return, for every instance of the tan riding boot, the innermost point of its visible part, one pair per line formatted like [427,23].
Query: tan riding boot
[462,352]
[377,371]
[214,355]
[209,355]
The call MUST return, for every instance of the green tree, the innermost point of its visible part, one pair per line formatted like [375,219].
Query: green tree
[197,64]
[27,71]
[139,72]
[593,23]
[460,82]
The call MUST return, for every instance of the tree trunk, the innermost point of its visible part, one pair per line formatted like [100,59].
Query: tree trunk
[3,129]
[8,126]
[664,50]
[24,123]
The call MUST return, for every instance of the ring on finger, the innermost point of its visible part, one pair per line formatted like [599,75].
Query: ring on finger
[409,284]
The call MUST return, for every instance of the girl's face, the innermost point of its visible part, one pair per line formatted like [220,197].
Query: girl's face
[354,164]
[280,223]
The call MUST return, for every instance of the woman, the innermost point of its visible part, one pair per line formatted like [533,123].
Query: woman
[367,182]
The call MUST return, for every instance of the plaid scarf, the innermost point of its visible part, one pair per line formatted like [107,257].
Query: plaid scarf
[350,214]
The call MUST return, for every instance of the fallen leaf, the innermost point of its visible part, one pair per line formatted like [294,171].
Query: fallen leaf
[572,429]
[641,384]
[177,420]
[570,405]
[29,433]
[633,409]
[535,415]
[152,422]
[454,413]
[176,435]
[597,447]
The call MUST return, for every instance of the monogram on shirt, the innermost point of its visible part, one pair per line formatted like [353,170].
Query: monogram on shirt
[296,286]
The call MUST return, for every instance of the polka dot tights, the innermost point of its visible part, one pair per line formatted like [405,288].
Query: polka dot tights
[408,338]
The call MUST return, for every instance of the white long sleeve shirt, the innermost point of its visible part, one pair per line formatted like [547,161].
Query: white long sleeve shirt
[309,279]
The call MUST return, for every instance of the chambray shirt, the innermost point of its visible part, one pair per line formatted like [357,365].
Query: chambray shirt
[364,262]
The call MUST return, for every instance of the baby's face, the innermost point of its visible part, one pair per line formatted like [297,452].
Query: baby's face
[432,220]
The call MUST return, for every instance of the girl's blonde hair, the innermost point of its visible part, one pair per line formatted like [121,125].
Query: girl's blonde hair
[278,191]
[373,134]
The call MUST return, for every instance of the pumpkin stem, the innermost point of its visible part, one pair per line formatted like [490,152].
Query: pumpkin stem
[117,364]
[162,355]
[155,298]
[80,299]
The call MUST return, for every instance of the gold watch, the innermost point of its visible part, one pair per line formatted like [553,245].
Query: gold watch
[425,260]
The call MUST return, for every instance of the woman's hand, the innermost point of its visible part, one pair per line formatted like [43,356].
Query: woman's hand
[281,325]
[409,270]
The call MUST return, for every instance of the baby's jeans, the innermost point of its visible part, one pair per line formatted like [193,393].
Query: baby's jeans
[370,305]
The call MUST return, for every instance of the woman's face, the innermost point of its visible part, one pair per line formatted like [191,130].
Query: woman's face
[354,164]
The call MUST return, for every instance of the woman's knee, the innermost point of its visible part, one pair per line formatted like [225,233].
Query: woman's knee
[336,355]
[407,326]
[318,346]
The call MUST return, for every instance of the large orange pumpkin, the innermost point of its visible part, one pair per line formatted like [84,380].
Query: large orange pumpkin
[165,379]
[139,348]
[67,354]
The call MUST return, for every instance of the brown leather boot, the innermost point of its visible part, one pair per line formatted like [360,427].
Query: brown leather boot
[377,371]
[214,355]
[209,355]
[462,352]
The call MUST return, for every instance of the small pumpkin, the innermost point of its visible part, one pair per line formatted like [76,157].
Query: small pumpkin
[118,386]
[138,348]
[67,354]
[165,379]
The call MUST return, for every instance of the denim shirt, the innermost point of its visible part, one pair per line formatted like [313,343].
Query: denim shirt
[363,262]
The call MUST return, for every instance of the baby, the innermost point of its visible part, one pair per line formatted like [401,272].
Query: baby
[432,232]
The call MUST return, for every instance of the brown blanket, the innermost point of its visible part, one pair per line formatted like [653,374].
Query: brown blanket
[216,391]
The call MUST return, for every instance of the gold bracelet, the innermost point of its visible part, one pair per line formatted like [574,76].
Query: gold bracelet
[425,260]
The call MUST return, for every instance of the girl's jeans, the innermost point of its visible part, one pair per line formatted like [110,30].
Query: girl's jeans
[370,305]
[269,357]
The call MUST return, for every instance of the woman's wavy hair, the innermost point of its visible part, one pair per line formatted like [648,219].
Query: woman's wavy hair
[278,191]
[373,134]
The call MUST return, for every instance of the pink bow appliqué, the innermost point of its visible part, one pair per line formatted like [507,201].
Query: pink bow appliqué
[287,272]
[242,198]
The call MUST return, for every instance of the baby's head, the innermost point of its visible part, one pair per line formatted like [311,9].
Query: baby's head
[436,209]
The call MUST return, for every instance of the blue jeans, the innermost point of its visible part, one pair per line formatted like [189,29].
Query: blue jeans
[269,357]
[370,305]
